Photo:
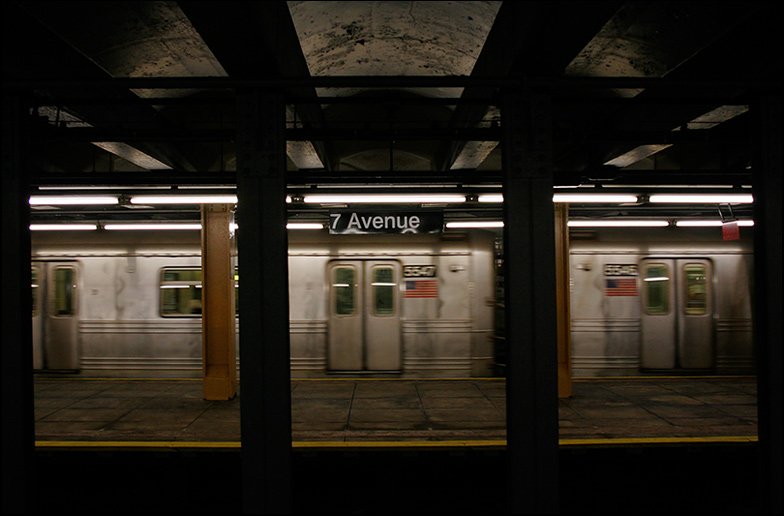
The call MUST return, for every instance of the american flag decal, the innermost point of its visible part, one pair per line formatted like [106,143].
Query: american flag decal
[621,287]
[422,288]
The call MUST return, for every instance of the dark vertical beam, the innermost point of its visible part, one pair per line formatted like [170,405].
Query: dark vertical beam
[530,288]
[263,303]
[767,172]
[17,355]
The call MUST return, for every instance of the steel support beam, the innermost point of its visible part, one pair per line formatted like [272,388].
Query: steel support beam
[17,355]
[263,303]
[219,360]
[767,297]
[530,300]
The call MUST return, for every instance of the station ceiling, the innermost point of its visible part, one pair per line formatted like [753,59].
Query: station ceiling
[681,118]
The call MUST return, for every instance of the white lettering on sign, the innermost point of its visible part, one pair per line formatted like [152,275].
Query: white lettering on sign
[419,271]
[622,269]
[365,222]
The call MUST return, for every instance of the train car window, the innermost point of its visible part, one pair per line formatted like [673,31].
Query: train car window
[696,284]
[64,290]
[34,288]
[181,292]
[383,291]
[343,288]
[657,289]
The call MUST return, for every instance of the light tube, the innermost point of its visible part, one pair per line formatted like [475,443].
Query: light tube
[700,198]
[152,227]
[572,198]
[618,223]
[383,198]
[63,227]
[475,224]
[586,197]
[72,200]
[304,225]
[657,278]
[184,199]
[710,223]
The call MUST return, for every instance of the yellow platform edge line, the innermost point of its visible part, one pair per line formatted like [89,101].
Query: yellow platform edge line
[390,444]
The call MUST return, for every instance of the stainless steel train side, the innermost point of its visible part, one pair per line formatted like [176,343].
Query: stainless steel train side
[658,300]
[417,305]
[642,301]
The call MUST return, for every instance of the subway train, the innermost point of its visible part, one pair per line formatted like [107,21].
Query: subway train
[642,301]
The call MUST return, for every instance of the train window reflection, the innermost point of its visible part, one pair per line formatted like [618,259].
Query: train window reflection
[343,288]
[383,291]
[181,292]
[657,289]
[64,287]
[696,284]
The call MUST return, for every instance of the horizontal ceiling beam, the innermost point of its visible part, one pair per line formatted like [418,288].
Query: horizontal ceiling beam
[698,88]
[368,133]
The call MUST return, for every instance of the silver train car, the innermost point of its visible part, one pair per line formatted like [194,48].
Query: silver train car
[128,303]
[662,300]
[114,303]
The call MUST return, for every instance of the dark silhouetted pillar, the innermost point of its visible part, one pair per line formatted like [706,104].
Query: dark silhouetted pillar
[17,352]
[530,300]
[767,296]
[265,398]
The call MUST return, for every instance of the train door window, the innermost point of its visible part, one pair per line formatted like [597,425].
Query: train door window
[383,285]
[180,292]
[657,289]
[695,281]
[64,291]
[344,280]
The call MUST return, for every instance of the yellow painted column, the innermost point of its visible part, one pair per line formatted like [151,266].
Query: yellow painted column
[563,300]
[218,320]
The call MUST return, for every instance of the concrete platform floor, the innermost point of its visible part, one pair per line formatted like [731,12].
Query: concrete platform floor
[71,408]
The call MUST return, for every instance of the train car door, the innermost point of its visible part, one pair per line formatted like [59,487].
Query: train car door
[364,316]
[677,314]
[55,315]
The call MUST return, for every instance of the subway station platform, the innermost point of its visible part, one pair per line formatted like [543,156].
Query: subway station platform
[349,410]
[628,445]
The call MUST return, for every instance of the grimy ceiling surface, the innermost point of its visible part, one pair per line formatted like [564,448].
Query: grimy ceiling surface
[719,54]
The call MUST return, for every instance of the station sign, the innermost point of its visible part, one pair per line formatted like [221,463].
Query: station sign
[369,222]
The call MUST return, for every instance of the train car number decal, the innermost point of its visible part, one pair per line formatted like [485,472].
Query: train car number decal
[419,271]
[621,269]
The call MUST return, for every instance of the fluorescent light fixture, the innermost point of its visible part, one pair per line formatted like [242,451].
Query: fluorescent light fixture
[383,198]
[586,197]
[657,278]
[184,199]
[572,198]
[710,223]
[702,198]
[304,225]
[63,227]
[475,224]
[153,227]
[618,223]
[72,200]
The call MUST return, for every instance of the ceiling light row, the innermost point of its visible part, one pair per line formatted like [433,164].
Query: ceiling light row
[89,200]
[486,224]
